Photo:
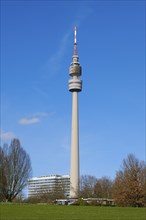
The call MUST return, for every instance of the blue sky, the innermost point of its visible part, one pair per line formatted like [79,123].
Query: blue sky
[36,52]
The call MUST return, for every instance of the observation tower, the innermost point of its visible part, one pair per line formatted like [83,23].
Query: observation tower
[75,86]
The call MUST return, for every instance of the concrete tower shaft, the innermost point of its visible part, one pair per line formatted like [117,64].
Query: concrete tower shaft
[75,86]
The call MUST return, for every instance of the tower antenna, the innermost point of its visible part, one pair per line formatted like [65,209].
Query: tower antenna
[75,40]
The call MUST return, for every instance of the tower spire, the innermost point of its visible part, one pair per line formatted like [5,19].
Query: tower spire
[75,40]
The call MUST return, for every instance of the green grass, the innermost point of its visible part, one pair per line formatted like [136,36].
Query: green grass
[56,212]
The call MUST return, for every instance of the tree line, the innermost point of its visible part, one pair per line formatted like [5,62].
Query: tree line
[127,189]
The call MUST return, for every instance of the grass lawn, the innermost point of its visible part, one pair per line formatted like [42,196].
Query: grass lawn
[56,212]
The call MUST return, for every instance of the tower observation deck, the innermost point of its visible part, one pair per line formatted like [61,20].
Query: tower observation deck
[75,86]
[75,70]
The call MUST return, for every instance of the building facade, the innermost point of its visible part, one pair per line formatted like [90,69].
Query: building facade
[50,183]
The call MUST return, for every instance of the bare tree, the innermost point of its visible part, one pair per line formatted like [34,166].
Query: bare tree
[87,184]
[15,169]
[2,164]
[103,188]
[130,183]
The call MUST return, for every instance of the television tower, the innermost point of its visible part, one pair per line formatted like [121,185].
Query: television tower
[75,86]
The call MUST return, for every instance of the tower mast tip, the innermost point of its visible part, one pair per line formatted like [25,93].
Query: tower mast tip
[75,40]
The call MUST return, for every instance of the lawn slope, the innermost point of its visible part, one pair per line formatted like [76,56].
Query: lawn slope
[55,212]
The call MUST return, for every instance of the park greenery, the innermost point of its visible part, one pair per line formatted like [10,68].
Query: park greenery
[127,189]
[56,212]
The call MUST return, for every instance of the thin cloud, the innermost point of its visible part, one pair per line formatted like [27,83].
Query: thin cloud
[26,121]
[55,60]
[37,86]
[4,136]
[83,14]
[39,114]
[34,118]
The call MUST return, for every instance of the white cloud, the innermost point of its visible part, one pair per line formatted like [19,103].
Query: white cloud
[27,121]
[6,135]
[34,118]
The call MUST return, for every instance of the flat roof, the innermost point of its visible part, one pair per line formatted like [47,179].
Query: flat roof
[49,177]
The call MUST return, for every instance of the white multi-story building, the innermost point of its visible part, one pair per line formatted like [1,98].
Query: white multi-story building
[45,184]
